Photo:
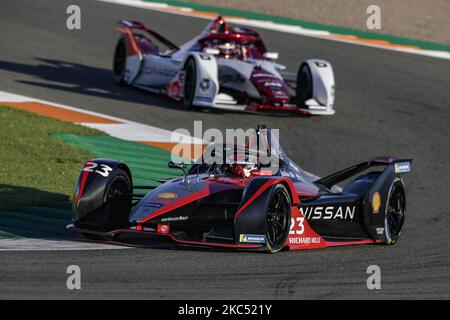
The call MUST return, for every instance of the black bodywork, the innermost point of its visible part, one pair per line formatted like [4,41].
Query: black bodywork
[209,207]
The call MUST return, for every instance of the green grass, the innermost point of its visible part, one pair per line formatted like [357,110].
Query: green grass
[36,168]
[145,162]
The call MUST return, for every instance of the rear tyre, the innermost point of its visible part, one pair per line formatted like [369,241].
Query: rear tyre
[116,208]
[304,89]
[119,62]
[190,83]
[278,219]
[395,212]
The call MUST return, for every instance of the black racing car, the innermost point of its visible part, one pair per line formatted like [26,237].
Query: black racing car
[246,204]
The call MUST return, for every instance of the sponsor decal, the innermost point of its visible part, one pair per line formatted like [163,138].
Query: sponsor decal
[380,230]
[260,75]
[204,99]
[170,219]
[205,57]
[289,174]
[204,84]
[160,71]
[403,167]
[273,84]
[304,240]
[252,238]
[320,64]
[298,229]
[376,202]
[153,205]
[301,235]
[285,173]
[167,195]
[328,212]
[163,228]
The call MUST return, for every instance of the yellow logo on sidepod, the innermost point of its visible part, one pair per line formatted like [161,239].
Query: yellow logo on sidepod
[376,202]
[167,195]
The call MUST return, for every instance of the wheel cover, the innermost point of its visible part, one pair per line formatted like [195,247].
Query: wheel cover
[277,219]
[396,211]
[304,85]
[117,203]
[118,188]
[189,85]
[119,61]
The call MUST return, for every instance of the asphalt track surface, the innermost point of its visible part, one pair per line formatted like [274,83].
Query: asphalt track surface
[387,103]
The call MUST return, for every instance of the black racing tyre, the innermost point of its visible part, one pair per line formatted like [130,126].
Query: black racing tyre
[190,83]
[278,219]
[304,88]
[119,62]
[117,205]
[395,212]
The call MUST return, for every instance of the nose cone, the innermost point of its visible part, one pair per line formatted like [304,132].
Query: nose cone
[269,85]
[167,197]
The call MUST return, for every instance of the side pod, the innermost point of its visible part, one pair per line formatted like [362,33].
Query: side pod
[372,188]
[251,215]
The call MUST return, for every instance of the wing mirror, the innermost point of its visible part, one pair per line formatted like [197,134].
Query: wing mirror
[271,55]
[175,165]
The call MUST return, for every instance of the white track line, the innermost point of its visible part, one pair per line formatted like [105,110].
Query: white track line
[32,244]
[270,25]
[125,129]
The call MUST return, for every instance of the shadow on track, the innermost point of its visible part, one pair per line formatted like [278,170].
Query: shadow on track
[98,82]
[29,212]
[85,80]
[37,214]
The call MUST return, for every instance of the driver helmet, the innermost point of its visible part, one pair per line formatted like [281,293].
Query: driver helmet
[248,164]
[227,49]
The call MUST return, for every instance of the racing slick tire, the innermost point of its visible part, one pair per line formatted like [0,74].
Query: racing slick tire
[278,219]
[119,62]
[116,207]
[190,83]
[395,212]
[304,88]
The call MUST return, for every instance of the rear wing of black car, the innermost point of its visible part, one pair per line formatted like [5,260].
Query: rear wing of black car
[398,166]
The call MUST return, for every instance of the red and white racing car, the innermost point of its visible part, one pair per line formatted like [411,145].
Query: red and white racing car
[222,67]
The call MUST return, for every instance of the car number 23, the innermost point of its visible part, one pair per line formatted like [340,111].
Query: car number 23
[101,169]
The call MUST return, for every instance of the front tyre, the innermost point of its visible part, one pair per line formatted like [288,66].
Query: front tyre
[119,62]
[114,212]
[190,83]
[304,88]
[395,212]
[278,219]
